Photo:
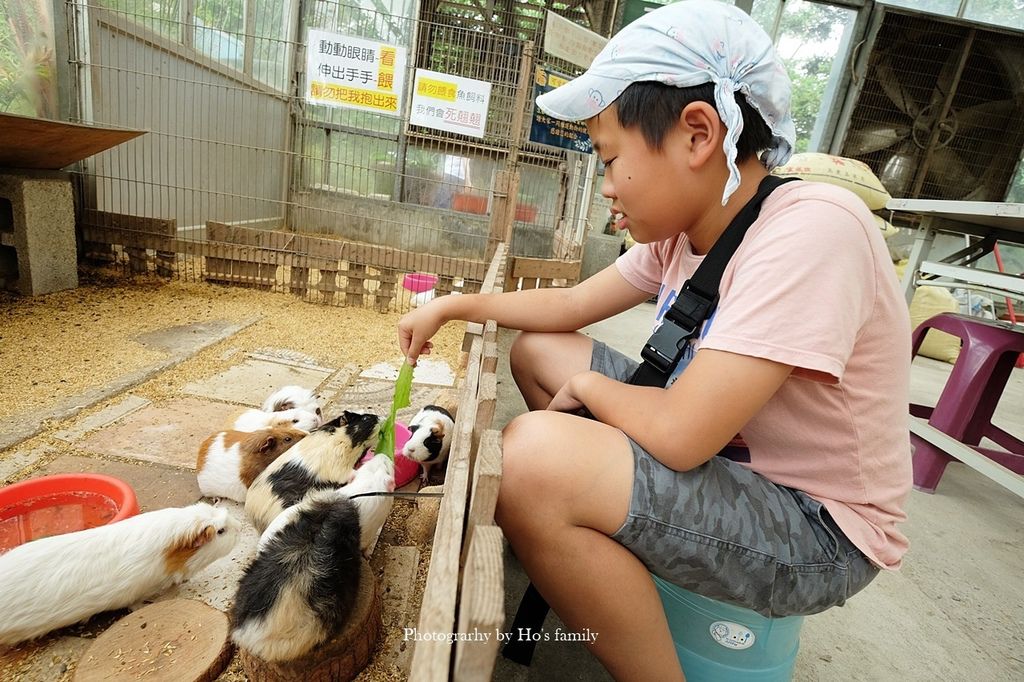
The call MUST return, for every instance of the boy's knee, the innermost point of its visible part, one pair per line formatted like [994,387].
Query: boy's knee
[524,451]
[525,349]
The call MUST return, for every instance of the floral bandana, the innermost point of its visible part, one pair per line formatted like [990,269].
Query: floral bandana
[686,44]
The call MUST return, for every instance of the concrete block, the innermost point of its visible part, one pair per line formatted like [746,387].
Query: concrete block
[155,486]
[250,382]
[599,251]
[11,464]
[168,433]
[42,212]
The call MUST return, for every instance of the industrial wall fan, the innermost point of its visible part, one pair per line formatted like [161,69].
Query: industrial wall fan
[941,111]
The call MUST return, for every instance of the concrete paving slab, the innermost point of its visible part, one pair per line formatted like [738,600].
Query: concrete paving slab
[217,584]
[11,464]
[287,356]
[335,383]
[155,486]
[427,371]
[251,381]
[376,396]
[104,417]
[184,338]
[168,432]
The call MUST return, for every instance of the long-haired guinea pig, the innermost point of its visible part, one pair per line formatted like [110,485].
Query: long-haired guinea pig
[375,476]
[229,461]
[56,581]
[293,398]
[431,438]
[326,458]
[254,420]
[302,585]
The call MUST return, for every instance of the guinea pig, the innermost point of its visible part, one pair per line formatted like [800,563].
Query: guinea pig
[301,587]
[326,458]
[375,476]
[254,420]
[59,580]
[229,461]
[431,438]
[293,398]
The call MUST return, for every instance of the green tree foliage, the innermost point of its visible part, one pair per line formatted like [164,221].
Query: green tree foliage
[27,65]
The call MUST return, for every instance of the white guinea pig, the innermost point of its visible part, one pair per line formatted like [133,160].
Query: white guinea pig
[293,398]
[431,438]
[254,420]
[57,581]
[229,461]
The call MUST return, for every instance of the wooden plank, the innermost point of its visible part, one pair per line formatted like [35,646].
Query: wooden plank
[487,393]
[482,610]
[52,145]
[161,227]
[483,497]
[431,657]
[492,270]
[529,284]
[540,268]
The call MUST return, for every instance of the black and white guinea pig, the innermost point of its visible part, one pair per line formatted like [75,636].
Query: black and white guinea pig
[293,398]
[229,461]
[59,580]
[254,420]
[431,438]
[326,458]
[375,476]
[302,586]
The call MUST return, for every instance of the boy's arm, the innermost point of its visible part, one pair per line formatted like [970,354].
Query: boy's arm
[691,421]
[542,310]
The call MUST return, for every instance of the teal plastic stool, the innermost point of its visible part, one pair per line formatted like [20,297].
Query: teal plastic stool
[719,642]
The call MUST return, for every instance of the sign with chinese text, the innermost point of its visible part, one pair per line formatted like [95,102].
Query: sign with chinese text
[571,42]
[450,103]
[343,71]
[551,131]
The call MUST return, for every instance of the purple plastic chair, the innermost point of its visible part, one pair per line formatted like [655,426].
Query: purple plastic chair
[988,351]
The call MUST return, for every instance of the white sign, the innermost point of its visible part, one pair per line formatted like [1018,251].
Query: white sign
[571,42]
[344,71]
[451,103]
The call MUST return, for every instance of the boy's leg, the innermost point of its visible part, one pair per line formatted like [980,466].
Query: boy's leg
[566,487]
[541,362]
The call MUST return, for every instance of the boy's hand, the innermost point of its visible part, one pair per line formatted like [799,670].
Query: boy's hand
[568,399]
[417,327]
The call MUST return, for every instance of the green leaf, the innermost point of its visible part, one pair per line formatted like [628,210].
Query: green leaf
[403,393]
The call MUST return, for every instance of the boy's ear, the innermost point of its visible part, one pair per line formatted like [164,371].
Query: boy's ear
[704,131]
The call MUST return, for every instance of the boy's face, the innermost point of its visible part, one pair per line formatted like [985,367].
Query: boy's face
[653,189]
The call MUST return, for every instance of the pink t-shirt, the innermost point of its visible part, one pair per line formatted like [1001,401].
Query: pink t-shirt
[812,286]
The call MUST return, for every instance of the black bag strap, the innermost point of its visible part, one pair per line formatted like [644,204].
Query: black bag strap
[698,296]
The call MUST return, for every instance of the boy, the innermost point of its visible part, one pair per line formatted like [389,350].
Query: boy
[800,383]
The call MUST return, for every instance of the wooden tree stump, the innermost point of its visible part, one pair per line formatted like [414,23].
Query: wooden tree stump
[337,660]
[177,640]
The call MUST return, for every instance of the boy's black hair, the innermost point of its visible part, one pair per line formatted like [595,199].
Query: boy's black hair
[655,107]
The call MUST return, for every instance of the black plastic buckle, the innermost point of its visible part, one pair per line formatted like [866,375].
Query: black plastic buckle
[666,345]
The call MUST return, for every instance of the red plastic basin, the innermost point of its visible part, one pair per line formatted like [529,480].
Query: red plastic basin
[62,503]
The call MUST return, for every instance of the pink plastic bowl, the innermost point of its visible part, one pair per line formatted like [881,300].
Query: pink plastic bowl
[405,468]
[62,503]
[419,282]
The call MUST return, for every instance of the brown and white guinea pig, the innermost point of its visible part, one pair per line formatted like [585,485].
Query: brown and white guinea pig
[293,398]
[254,420]
[57,581]
[229,461]
[301,587]
[431,438]
[326,458]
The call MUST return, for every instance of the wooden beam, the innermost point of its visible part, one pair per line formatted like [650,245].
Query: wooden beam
[545,268]
[486,480]
[482,610]
[431,658]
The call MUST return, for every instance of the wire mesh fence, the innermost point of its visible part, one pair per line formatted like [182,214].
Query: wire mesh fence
[245,177]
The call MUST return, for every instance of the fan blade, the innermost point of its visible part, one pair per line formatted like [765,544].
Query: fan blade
[873,138]
[898,170]
[894,89]
[951,175]
[990,115]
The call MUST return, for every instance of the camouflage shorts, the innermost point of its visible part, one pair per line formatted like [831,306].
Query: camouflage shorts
[728,533]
